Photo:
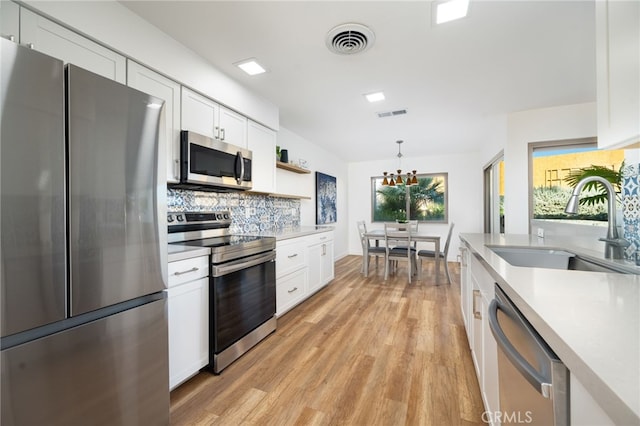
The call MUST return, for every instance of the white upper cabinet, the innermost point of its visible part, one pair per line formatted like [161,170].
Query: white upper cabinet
[151,82]
[206,117]
[198,113]
[232,127]
[262,142]
[618,73]
[54,40]
[9,20]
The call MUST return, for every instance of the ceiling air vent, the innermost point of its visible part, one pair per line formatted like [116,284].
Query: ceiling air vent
[392,113]
[349,39]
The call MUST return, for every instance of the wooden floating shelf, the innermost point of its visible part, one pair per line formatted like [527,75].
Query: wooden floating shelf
[291,167]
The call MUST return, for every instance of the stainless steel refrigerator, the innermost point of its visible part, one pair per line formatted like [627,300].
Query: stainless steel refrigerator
[83,248]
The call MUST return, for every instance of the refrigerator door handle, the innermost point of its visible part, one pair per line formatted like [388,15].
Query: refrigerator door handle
[538,381]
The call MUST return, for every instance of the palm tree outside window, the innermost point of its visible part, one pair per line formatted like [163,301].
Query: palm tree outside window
[426,202]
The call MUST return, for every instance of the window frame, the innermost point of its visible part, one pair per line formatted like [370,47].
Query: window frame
[589,142]
[443,175]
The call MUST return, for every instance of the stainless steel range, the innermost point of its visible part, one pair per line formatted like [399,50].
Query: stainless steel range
[242,292]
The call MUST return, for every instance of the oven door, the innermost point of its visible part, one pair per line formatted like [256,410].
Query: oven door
[207,162]
[243,297]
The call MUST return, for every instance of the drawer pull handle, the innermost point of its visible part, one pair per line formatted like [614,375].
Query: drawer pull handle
[178,273]
[291,256]
[292,290]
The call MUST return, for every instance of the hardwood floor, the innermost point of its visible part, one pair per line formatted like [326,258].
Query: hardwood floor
[361,351]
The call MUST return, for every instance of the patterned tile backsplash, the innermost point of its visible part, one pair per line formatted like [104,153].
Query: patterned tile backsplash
[251,213]
[631,205]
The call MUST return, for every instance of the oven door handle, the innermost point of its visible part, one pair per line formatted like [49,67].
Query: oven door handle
[247,262]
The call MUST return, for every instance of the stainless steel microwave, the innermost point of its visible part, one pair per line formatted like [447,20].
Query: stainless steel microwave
[212,165]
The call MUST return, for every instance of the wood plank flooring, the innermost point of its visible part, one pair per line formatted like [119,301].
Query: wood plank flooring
[361,351]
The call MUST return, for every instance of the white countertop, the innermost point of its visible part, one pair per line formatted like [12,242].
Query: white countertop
[285,234]
[590,319]
[181,252]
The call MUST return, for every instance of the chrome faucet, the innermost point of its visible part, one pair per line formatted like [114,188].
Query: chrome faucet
[614,245]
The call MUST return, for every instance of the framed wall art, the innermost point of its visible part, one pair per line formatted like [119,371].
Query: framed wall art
[326,195]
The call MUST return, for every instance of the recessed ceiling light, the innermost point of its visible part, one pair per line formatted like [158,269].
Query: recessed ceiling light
[451,10]
[375,97]
[250,66]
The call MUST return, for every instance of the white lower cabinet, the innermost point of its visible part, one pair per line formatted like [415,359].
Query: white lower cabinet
[320,255]
[188,301]
[291,289]
[585,411]
[484,349]
[303,266]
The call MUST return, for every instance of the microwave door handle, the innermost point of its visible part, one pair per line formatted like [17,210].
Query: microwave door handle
[522,365]
[239,165]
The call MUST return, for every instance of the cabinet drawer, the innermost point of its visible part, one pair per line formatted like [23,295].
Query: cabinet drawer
[322,237]
[290,256]
[187,270]
[290,290]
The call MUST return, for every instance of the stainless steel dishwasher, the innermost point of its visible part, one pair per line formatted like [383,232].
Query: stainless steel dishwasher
[533,381]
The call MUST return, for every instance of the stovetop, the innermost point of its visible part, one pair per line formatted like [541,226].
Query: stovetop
[211,229]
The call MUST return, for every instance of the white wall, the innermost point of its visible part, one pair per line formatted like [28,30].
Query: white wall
[548,124]
[321,160]
[116,27]
[465,194]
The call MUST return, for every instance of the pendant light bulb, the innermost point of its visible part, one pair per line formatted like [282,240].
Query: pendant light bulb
[385,181]
[392,181]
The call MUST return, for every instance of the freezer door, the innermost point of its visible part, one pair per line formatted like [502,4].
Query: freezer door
[115,225]
[112,371]
[32,204]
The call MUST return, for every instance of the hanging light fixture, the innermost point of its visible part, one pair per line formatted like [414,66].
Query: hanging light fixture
[392,180]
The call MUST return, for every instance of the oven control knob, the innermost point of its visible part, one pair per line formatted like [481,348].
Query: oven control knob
[180,218]
[226,216]
[170,218]
[219,216]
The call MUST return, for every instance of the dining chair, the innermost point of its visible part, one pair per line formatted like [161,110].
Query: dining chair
[411,225]
[431,254]
[367,247]
[397,239]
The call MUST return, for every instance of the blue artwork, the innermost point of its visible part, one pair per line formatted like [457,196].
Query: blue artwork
[326,195]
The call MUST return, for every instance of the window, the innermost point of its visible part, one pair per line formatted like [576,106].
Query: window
[551,167]
[494,196]
[426,201]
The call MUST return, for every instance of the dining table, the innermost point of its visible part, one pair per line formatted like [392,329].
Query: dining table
[419,236]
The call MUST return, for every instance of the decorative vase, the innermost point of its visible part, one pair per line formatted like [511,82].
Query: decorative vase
[284,155]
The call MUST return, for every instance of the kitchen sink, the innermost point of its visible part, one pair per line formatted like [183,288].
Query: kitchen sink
[553,259]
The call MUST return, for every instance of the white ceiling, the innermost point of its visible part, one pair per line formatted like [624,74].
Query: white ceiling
[454,79]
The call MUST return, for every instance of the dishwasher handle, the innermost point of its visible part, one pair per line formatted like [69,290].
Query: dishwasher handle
[537,380]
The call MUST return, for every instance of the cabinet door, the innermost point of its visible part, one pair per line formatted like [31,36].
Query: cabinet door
[489,385]
[9,20]
[59,42]
[466,293]
[150,82]
[262,142]
[232,127]
[476,312]
[314,254]
[188,330]
[617,71]
[199,114]
[327,262]
[291,289]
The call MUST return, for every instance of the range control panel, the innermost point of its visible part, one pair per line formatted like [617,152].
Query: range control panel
[184,218]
